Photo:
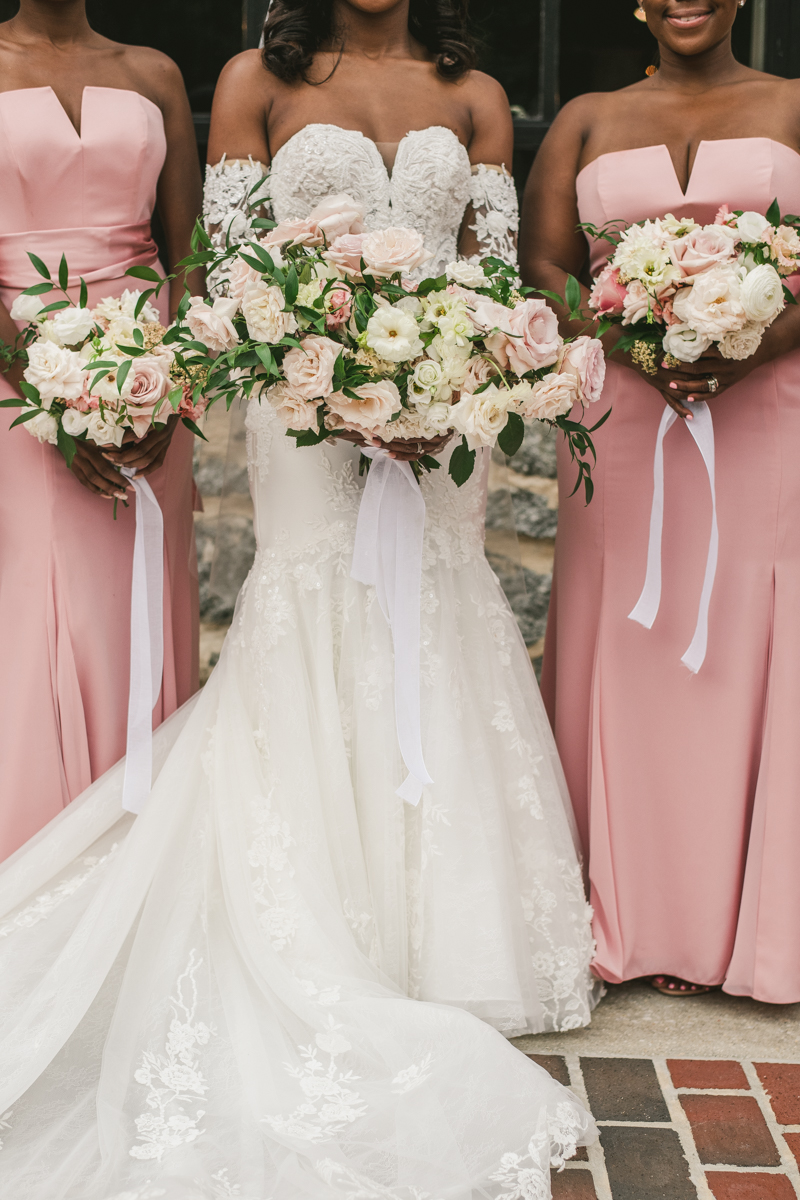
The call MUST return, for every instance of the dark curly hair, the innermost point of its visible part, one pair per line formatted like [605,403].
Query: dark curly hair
[296,29]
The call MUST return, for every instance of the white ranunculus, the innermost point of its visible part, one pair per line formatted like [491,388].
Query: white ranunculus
[73,325]
[685,343]
[56,373]
[465,274]
[26,308]
[762,294]
[44,427]
[752,226]
[393,335]
[75,422]
[262,309]
[742,342]
[427,376]
[481,417]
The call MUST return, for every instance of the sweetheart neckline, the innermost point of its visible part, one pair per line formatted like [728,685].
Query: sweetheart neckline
[663,146]
[366,138]
[89,87]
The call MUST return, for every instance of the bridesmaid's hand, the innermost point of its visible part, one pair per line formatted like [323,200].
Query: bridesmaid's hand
[90,467]
[662,381]
[147,454]
[695,381]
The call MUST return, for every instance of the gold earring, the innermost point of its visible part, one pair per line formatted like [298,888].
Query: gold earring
[640,14]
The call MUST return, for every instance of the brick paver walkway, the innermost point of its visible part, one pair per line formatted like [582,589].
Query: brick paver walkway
[683,1129]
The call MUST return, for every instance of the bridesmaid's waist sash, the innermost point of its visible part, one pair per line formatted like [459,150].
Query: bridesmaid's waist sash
[93,253]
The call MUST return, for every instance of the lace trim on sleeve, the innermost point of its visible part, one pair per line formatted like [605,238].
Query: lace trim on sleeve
[495,209]
[235,192]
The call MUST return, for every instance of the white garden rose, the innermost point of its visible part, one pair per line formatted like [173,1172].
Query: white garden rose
[713,304]
[762,294]
[393,334]
[741,343]
[26,308]
[75,422]
[55,372]
[72,325]
[752,227]
[117,313]
[427,378]
[43,427]
[465,274]
[104,433]
[685,343]
[387,251]
[481,416]
[262,309]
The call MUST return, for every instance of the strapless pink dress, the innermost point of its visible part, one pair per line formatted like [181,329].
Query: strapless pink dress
[687,787]
[65,564]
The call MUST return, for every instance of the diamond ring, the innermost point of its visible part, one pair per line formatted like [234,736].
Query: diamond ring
[713,384]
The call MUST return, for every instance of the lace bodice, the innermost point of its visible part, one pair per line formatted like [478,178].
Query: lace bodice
[430,186]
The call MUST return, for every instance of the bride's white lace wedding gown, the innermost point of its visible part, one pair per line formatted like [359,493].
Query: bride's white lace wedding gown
[210,1000]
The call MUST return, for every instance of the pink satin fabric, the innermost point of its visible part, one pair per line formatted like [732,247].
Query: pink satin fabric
[65,564]
[686,787]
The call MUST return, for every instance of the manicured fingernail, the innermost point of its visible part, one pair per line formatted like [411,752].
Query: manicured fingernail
[674,385]
[690,398]
[121,495]
[689,417]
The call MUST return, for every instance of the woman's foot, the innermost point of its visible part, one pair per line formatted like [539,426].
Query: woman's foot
[671,985]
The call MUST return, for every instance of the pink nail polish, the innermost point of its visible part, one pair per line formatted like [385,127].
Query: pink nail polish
[689,417]
[690,398]
[674,385]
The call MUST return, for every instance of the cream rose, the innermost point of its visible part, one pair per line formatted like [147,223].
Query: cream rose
[72,325]
[239,276]
[585,360]
[479,371]
[43,427]
[637,303]
[481,417]
[294,410]
[741,343]
[393,334]
[149,387]
[376,405]
[26,308]
[426,378]
[713,304]
[465,274]
[551,397]
[309,370]
[753,227]
[299,232]
[762,294]
[262,309]
[685,343]
[213,324]
[104,433]
[387,251]
[338,216]
[346,253]
[55,372]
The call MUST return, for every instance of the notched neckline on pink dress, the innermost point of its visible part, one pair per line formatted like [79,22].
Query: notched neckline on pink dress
[90,87]
[659,146]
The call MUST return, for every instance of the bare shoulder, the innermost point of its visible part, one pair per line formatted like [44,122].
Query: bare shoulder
[156,72]
[483,93]
[245,75]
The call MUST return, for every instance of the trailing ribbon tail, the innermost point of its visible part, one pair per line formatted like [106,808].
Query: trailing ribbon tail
[646,608]
[147,643]
[388,555]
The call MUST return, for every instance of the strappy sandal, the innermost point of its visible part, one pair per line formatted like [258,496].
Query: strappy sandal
[671,985]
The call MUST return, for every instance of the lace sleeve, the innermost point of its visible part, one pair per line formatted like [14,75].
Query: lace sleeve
[234,193]
[492,220]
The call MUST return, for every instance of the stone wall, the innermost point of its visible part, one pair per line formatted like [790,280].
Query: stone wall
[521,519]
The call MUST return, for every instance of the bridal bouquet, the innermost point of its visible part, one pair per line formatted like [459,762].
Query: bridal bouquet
[93,373]
[322,321]
[680,287]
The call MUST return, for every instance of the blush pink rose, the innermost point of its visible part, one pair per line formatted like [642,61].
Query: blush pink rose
[213,324]
[585,360]
[150,386]
[345,253]
[299,232]
[607,296]
[532,340]
[479,371]
[309,369]
[376,404]
[702,248]
[387,251]
[293,409]
[340,300]
[338,216]
[239,277]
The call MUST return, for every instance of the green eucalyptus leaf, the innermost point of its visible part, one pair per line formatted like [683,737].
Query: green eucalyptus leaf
[572,293]
[292,286]
[38,289]
[195,430]
[122,375]
[26,416]
[63,278]
[66,444]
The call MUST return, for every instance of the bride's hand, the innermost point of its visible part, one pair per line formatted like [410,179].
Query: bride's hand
[400,448]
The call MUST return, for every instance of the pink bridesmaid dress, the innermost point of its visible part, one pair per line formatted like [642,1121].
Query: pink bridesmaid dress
[65,563]
[687,787]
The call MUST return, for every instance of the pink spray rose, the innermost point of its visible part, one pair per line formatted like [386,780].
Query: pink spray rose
[607,296]
[340,300]
[299,232]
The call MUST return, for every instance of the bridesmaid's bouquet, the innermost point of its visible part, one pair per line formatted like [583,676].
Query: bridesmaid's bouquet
[679,287]
[95,373]
[323,321]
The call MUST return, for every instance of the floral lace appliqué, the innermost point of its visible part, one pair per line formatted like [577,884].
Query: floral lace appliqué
[47,902]
[174,1078]
[330,1103]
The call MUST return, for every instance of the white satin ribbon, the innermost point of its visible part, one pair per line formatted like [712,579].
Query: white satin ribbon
[147,642]
[646,610]
[388,555]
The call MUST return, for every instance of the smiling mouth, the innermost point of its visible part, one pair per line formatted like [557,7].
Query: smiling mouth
[689,20]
